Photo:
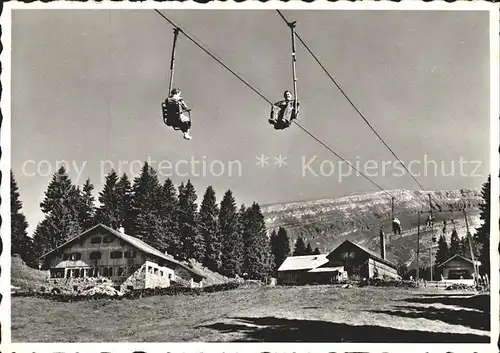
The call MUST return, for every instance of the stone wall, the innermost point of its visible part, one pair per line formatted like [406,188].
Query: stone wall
[78,284]
[157,276]
[136,280]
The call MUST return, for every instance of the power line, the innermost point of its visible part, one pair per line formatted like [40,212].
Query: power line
[213,56]
[350,101]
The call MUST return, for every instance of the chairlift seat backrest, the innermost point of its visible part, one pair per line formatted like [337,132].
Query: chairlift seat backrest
[283,113]
[174,113]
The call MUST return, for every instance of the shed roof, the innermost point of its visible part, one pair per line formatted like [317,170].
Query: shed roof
[135,242]
[307,262]
[459,256]
[327,269]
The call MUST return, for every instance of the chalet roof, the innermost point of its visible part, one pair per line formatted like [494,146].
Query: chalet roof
[135,242]
[460,256]
[307,262]
[369,252]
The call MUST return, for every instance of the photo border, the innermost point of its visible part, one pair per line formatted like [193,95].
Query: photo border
[5,163]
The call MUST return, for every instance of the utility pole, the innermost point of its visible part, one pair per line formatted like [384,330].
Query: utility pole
[418,244]
[430,260]
[469,236]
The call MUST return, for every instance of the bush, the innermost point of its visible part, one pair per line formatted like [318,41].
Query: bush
[56,294]
[378,282]
[460,286]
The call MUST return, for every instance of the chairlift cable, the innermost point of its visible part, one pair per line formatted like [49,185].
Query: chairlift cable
[350,101]
[335,153]
[214,57]
[266,99]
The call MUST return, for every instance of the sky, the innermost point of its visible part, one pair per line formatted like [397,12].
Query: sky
[87,87]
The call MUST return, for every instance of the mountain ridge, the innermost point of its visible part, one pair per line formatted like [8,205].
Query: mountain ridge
[327,222]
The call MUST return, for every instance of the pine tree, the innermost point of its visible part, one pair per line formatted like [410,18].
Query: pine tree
[57,192]
[273,240]
[482,236]
[230,237]
[454,244]
[193,246]
[170,239]
[300,247]
[257,251]
[442,253]
[20,242]
[60,206]
[108,212]
[124,202]
[316,251]
[239,249]
[465,247]
[309,250]
[86,207]
[207,226]
[145,220]
[280,246]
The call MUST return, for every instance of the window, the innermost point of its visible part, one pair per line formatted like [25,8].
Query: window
[75,256]
[150,269]
[68,274]
[110,271]
[120,271]
[96,240]
[161,273]
[65,257]
[459,274]
[108,239]
[95,255]
[156,271]
[88,272]
[82,272]
[76,273]
[57,272]
[105,272]
[130,254]
[348,255]
[116,254]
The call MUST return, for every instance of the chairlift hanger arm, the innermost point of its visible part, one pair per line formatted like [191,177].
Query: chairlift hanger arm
[172,59]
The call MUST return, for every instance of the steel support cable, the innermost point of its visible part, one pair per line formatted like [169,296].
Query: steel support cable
[349,100]
[213,56]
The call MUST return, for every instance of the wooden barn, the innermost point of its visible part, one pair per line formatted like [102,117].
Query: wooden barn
[128,262]
[359,262]
[348,260]
[458,267]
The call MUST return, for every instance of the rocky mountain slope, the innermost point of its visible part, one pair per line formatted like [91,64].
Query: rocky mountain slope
[327,223]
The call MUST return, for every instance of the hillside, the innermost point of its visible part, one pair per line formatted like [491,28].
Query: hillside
[25,277]
[327,223]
